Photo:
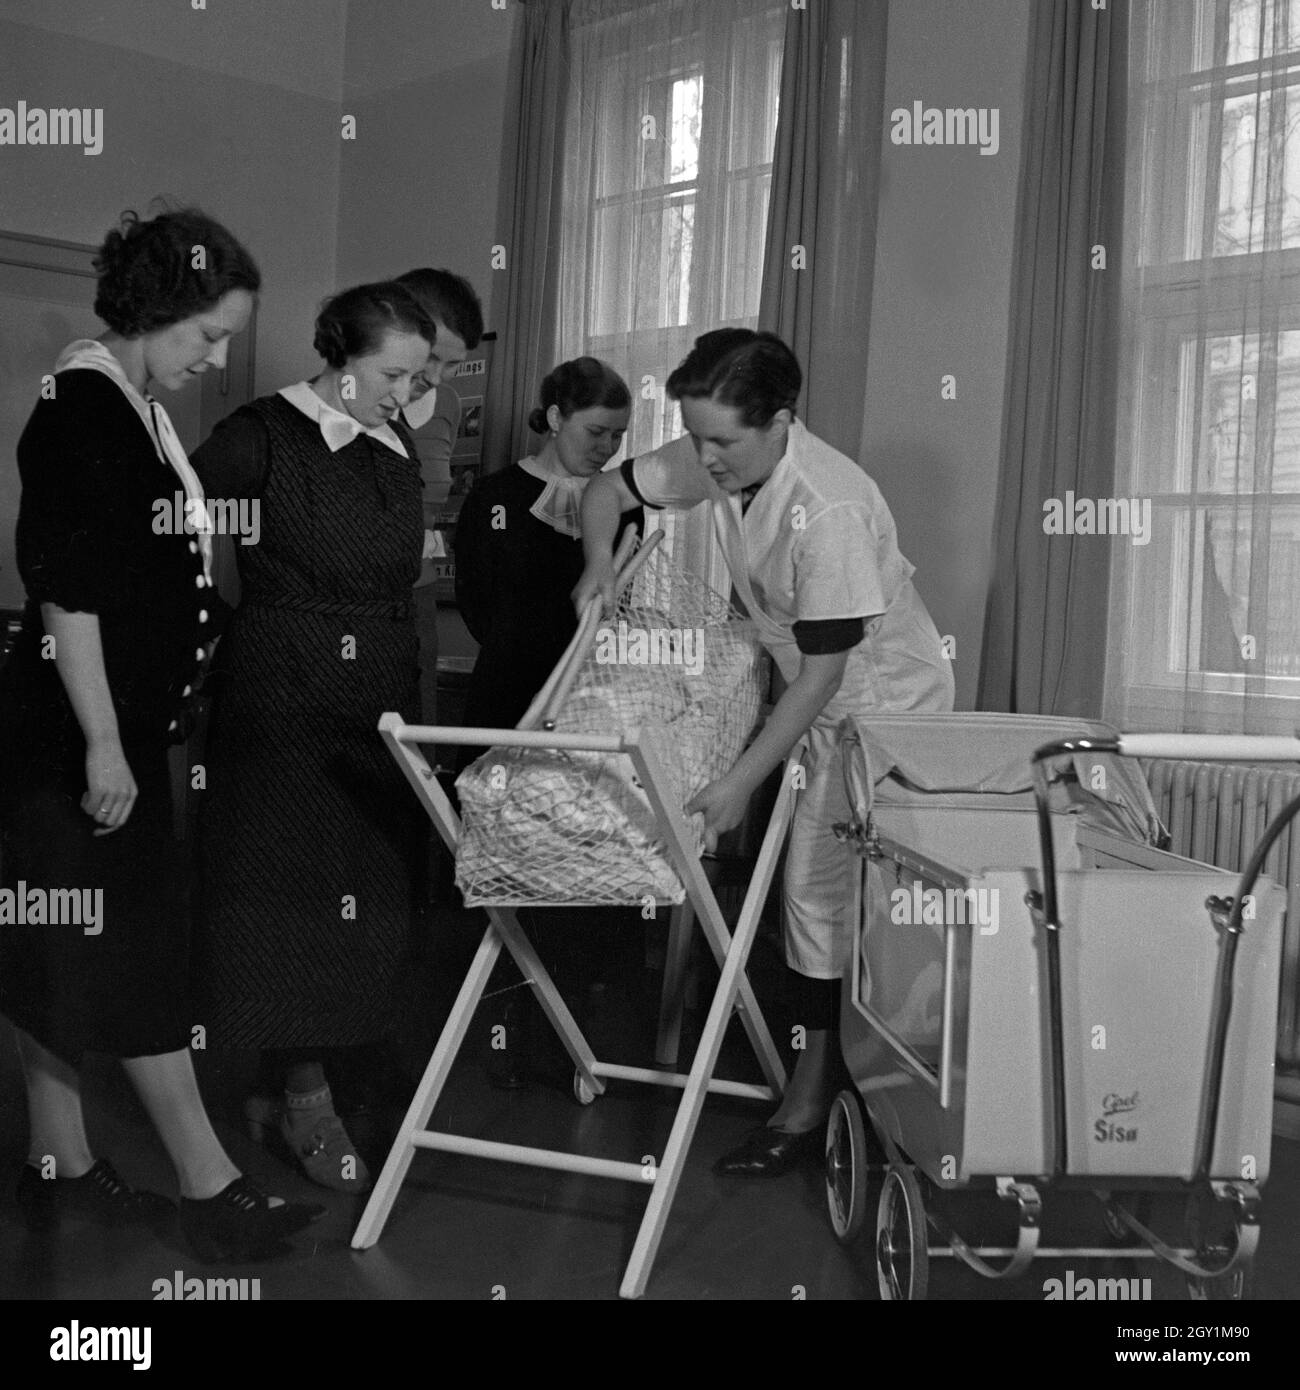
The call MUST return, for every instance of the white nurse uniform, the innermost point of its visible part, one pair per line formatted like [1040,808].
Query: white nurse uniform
[817,542]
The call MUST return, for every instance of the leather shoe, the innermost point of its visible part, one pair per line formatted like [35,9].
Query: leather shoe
[240,1222]
[768,1153]
[100,1195]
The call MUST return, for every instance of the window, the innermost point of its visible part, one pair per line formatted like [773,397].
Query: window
[673,111]
[1206,614]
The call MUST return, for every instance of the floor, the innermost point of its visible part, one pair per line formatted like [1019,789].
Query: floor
[471,1229]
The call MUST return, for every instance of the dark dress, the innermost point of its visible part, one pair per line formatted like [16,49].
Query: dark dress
[85,541]
[513,585]
[310,841]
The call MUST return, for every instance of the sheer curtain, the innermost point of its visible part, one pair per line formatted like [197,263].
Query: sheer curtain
[1205,615]
[669,127]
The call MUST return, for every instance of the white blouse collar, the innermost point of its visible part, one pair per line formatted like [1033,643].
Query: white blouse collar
[337,429]
[417,414]
[560,503]
[89,354]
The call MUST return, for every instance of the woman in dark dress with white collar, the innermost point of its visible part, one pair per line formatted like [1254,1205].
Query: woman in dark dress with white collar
[518,543]
[119,615]
[311,844]
[518,552]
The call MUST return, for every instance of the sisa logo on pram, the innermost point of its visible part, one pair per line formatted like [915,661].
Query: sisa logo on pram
[937,907]
[1111,1129]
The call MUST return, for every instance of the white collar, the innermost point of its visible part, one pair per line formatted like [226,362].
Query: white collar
[337,429]
[417,414]
[560,503]
[88,354]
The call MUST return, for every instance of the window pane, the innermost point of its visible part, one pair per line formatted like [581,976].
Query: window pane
[1259,173]
[1234,386]
[1250,568]
[746,225]
[684,158]
[1282,651]
[1261,28]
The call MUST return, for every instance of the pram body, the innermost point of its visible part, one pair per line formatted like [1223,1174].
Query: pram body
[947,1026]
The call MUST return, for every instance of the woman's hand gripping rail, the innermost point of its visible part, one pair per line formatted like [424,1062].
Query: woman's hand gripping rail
[723,802]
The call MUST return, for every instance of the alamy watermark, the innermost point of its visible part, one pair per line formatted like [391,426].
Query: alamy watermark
[53,907]
[651,646]
[937,907]
[1074,1290]
[1101,516]
[948,125]
[179,515]
[77,1343]
[195,1289]
[61,125]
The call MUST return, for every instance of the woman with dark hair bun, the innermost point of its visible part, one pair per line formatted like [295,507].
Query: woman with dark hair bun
[310,842]
[813,553]
[518,552]
[518,555]
[120,615]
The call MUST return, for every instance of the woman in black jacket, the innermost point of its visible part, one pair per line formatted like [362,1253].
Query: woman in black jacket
[120,614]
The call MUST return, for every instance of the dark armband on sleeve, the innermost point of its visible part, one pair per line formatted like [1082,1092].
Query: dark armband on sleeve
[826,636]
[625,468]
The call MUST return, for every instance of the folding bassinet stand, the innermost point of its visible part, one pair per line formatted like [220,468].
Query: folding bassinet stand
[731,951]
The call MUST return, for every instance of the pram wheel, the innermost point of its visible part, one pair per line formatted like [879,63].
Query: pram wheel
[902,1251]
[1119,1229]
[847,1168]
[582,1093]
[1213,1230]
[1231,1288]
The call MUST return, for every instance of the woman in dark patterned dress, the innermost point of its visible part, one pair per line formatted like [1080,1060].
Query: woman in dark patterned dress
[119,615]
[310,841]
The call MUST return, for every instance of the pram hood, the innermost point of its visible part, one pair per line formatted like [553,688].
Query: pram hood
[924,759]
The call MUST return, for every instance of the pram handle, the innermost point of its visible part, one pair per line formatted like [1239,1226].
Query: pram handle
[1244,748]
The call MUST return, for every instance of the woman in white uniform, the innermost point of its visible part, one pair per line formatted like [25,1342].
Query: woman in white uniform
[814,558]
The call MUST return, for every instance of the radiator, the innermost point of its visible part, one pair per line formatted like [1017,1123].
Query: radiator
[1217,813]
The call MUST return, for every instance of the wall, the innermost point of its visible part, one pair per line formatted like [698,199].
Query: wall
[941,304]
[428,86]
[210,106]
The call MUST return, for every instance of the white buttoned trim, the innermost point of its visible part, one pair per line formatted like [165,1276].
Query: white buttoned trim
[203,615]
[189,690]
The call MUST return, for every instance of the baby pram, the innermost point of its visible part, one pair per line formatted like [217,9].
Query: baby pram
[1041,997]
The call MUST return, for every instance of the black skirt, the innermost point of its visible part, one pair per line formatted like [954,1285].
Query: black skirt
[121,984]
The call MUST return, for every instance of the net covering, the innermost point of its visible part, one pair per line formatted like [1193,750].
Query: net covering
[552,827]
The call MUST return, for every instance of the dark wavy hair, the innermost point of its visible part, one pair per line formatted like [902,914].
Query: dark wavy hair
[754,372]
[449,299]
[581,384]
[353,322]
[147,273]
